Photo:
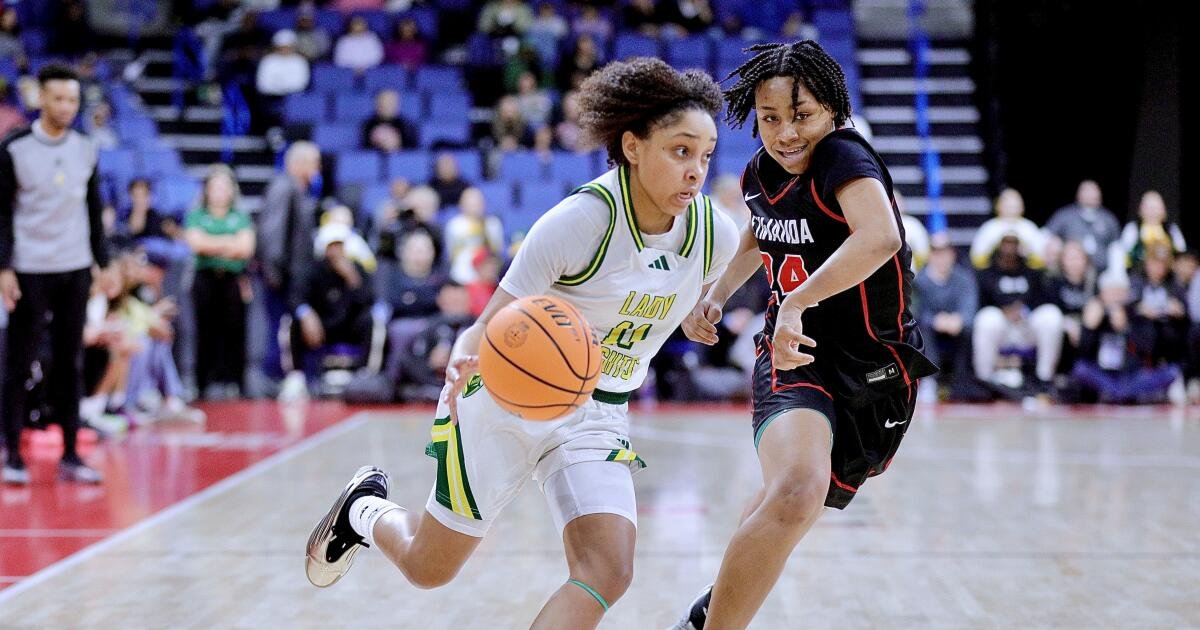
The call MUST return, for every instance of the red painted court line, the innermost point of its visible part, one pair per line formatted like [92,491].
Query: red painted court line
[146,471]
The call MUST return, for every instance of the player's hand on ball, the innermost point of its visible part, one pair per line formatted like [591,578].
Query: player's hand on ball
[458,373]
[699,324]
[786,353]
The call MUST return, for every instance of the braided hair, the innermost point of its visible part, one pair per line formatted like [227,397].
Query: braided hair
[640,95]
[805,62]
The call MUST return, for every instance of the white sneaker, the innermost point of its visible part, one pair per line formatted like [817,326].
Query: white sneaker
[1177,392]
[294,388]
[175,409]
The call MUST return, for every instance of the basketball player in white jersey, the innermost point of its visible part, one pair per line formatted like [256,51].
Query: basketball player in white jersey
[633,251]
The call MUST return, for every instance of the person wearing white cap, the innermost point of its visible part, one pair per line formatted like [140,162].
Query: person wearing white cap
[332,305]
[283,71]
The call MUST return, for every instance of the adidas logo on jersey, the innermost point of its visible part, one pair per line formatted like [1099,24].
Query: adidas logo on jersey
[660,263]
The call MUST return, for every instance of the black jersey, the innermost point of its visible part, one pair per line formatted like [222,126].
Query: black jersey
[867,339]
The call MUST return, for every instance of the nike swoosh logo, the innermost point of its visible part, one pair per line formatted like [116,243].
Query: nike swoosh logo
[749,197]
[889,424]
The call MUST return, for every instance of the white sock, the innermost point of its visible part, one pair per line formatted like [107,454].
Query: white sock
[365,511]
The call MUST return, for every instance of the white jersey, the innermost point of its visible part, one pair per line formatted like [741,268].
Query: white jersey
[633,288]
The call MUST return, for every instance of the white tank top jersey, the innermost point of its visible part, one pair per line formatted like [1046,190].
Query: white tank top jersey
[633,288]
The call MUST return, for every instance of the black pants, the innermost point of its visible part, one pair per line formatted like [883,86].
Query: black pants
[355,331]
[220,328]
[61,297]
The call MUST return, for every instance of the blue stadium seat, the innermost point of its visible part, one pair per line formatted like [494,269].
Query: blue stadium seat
[176,195]
[34,41]
[449,105]
[352,107]
[277,19]
[432,78]
[330,21]
[416,166]
[118,163]
[729,52]
[358,167]
[412,106]
[385,77]
[381,22]
[305,108]
[161,161]
[689,52]
[499,197]
[331,78]
[575,169]
[136,130]
[372,197]
[337,137]
[541,196]
[517,166]
[446,132]
[470,164]
[426,19]
[634,45]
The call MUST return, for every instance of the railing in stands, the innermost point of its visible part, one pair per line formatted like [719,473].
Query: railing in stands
[931,164]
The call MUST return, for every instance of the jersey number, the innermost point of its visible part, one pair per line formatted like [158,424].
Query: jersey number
[788,276]
[624,335]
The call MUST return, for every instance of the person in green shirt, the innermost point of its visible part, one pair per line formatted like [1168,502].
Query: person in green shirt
[222,238]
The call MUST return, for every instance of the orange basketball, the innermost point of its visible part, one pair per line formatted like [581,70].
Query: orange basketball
[539,358]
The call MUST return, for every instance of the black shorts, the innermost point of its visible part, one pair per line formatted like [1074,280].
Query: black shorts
[865,438]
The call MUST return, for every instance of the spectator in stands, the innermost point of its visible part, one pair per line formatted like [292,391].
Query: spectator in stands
[356,247]
[505,18]
[240,51]
[1108,367]
[143,220]
[387,130]
[583,58]
[1086,221]
[348,6]
[448,181]
[410,284]
[222,237]
[421,375]
[280,73]
[106,354]
[467,231]
[1159,318]
[1017,319]
[331,305]
[11,116]
[797,28]
[946,300]
[1070,290]
[509,129]
[360,48]
[1009,219]
[727,194]
[688,16]
[311,40]
[1150,230]
[286,225]
[642,16]
[567,132]
[487,277]
[547,31]
[532,101]
[99,128]
[1193,309]
[915,234]
[409,48]
[386,215]
[416,212]
[10,35]
[153,385]
[72,33]
[591,23]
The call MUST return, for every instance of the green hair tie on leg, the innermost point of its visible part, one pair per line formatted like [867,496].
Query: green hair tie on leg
[590,591]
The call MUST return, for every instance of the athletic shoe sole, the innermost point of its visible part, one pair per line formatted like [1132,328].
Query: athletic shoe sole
[321,572]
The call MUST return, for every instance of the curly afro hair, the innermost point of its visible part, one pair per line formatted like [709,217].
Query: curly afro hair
[640,95]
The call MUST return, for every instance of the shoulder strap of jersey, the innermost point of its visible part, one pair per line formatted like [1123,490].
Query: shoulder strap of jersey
[693,224]
[598,257]
[708,235]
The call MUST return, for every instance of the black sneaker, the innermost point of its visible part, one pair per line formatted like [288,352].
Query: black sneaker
[697,612]
[333,543]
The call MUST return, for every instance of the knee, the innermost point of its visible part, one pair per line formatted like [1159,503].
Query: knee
[797,498]
[1047,317]
[432,577]
[989,321]
[610,577]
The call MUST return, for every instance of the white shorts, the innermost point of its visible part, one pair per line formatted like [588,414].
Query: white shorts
[485,460]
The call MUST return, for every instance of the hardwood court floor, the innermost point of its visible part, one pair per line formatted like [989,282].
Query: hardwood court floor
[990,517]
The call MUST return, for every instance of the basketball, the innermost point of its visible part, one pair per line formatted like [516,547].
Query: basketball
[539,358]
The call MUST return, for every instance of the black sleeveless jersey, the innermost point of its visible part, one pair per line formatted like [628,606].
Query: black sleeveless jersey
[867,339]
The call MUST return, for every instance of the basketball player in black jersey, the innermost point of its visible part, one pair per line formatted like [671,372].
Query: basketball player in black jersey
[840,354]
